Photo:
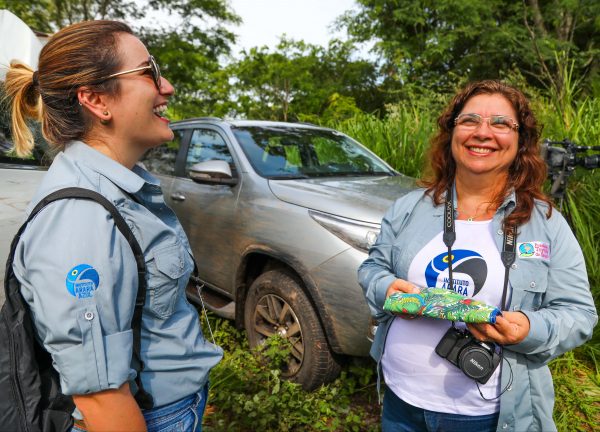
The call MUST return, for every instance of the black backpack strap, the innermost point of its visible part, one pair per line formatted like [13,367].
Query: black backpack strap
[143,398]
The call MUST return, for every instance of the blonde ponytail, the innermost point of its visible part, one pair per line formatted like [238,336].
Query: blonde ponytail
[26,103]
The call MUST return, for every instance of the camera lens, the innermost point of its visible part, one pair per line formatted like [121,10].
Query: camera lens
[475,362]
[591,162]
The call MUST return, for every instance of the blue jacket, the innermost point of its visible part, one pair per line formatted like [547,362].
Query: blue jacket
[554,294]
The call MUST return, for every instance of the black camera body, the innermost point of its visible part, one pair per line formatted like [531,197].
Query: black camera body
[562,157]
[478,360]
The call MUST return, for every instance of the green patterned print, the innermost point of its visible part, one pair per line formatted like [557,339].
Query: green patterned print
[442,303]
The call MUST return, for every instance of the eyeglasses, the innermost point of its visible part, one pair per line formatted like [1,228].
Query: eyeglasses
[152,68]
[498,123]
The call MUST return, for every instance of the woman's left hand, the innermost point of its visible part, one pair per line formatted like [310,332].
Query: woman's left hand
[509,329]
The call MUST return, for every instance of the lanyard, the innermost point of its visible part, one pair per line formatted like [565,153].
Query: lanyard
[508,254]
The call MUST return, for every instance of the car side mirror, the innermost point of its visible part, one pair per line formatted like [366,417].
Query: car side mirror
[212,172]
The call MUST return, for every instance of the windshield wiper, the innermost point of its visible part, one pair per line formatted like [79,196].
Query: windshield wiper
[352,174]
[288,177]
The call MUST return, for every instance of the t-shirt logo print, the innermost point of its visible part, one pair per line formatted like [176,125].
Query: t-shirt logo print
[82,280]
[466,263]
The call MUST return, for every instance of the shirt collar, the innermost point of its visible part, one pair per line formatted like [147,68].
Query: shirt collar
[130,181]
[509,202]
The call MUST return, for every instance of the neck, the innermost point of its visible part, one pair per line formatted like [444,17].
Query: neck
[119,153]
[482,188]
[476,195]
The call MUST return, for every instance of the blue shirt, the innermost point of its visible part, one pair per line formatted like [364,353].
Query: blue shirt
[79,277]
[549,284]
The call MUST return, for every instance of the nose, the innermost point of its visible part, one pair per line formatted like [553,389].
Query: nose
[484,129]
[166,88]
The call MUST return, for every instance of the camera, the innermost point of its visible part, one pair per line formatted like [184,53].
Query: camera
[562,157]
[478,360]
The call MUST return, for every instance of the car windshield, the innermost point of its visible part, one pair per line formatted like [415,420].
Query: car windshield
[292,152]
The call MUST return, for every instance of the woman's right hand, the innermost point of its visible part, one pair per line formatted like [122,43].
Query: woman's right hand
[400,285]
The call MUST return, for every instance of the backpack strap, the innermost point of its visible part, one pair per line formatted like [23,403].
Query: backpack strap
[143,398]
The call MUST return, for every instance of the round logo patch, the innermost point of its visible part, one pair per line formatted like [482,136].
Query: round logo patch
[526,250]
[82,280]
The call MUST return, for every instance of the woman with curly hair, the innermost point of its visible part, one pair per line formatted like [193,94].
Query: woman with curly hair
[481,227]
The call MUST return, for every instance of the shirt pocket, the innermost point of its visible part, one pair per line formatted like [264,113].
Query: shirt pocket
[165,269]
[533,279]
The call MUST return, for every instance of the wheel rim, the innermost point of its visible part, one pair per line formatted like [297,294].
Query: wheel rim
[273,315]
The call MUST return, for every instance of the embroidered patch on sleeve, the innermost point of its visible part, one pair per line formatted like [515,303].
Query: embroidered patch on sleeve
[534,250]
[82,280]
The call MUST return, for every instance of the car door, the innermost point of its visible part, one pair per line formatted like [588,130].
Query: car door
[207,210]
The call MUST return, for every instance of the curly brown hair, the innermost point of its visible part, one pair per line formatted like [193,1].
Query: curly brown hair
[527,173]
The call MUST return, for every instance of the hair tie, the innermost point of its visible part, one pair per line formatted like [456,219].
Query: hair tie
[34,79]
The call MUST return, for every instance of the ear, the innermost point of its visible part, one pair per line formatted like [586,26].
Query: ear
[95,103]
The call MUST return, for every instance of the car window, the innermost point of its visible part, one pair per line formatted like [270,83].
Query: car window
[206,145]
[289,152]
[161,159]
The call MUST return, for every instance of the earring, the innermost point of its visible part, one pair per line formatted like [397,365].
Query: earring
[105,121]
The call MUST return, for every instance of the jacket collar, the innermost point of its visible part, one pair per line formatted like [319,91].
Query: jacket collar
[131,181]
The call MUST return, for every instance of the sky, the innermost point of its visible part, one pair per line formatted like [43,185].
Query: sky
[264,21]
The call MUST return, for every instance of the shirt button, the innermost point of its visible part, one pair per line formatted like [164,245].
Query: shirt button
[500,232]
[509,388]
[89,316]
[504,426]
[532,284]
[514,266]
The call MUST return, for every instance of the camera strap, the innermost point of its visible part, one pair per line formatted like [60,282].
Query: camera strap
[507,255]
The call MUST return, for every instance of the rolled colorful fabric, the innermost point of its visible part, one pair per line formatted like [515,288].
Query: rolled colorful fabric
[442,303]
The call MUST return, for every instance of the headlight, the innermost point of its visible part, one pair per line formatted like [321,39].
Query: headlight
[360,235]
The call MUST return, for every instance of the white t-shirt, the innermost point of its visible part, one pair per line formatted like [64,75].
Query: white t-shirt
[411,368]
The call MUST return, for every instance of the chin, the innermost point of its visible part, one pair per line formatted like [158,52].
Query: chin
[165,136]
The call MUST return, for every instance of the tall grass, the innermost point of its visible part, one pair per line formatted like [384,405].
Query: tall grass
[400,139]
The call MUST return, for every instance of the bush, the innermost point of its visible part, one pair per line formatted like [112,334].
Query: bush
[248,393]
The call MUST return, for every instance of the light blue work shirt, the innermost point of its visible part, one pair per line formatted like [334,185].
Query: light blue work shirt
[79,277]
[553,292]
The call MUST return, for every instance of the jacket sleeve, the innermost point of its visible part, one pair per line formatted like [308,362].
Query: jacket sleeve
[567,314]
[375,274]
[79,278]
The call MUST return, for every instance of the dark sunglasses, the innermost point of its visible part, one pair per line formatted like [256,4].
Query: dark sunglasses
[152,67]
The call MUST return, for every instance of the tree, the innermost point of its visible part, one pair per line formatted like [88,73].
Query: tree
[437,43]
[189,49]
[298,78]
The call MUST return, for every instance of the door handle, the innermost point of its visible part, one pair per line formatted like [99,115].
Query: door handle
[177,196]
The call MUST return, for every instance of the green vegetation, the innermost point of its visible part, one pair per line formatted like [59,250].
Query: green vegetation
[419,47]
[248,393]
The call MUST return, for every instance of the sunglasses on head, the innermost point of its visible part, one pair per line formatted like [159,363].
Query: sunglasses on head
[152,68]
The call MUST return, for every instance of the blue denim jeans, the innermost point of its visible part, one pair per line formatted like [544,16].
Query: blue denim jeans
[398,416]
[184,415]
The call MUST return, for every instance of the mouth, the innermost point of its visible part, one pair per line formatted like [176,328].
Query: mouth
[480,150]
[159,111]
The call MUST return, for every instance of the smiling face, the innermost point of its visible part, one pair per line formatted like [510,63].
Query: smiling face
[483,150]
[137,110]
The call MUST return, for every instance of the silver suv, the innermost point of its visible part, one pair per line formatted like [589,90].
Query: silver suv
[279,216]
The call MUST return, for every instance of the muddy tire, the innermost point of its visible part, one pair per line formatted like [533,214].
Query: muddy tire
[276,303]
